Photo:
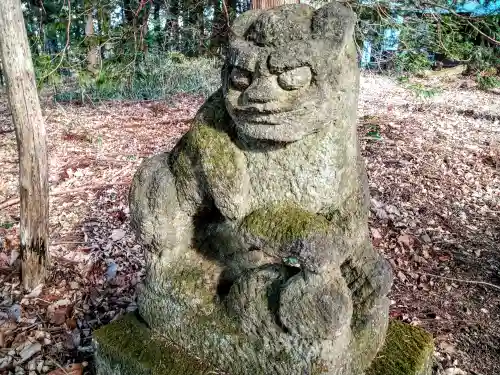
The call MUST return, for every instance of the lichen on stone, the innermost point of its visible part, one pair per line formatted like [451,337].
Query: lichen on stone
[283,223]
[408,350]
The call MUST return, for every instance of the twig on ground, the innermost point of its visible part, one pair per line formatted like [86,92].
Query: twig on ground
[477,282]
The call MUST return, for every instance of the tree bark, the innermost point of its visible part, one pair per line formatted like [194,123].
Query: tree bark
[93,50]
[31,143]
[267,4]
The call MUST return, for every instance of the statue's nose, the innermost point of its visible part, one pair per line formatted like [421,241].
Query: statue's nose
[263,89]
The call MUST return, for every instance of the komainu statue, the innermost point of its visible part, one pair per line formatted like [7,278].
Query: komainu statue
[255,226]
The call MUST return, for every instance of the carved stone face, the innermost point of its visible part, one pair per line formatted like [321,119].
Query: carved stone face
[283,73]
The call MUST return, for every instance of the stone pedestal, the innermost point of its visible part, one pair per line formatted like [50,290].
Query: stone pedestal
[128,347]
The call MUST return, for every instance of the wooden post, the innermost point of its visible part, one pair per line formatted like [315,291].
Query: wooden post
[31,142]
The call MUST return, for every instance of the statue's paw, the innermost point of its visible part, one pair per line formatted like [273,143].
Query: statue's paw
[254,298]
[315,305]
[373,283]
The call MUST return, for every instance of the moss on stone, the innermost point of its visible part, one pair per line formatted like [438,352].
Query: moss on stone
[218,154]
[128,345]
[211,149]
[181,166]
[209,143]
[407,350]
[284,223]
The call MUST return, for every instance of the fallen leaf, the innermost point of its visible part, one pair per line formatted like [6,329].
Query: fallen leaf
[117,234]
[13,257]
[74,369]
[4,260]
[14,312]
[447,347]
[35,293]
[401,276]
[29,351]
[111,271]
[71,323]
[425,237]
[405,240]
[376,234]
[454,371]
[444,258]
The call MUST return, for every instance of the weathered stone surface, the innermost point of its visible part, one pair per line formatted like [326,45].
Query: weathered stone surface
[408,350]
[255,226]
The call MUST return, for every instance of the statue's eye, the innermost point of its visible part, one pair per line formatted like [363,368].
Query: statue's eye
[296,78]
[240,79]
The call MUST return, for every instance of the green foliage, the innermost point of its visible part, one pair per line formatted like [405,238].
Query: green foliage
[484,58]
[374,132]
[488,82]
[7,225]
[423,34]
[45,66]
[412,62]
[422,91]
[156,76]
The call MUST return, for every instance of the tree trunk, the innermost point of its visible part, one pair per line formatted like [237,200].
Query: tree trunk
[93,51]
[31,143]
[144,28]
[219,27]
[157,26]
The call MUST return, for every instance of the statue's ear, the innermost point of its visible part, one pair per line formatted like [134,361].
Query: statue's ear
[334,21]
[243,22]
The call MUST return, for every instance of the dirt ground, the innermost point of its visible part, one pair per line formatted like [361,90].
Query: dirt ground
[433,156]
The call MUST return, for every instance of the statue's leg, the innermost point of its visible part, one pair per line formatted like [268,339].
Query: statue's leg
[316,305]
[369,281]
[254,299]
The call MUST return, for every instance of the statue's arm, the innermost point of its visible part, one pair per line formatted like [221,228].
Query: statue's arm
[163,203]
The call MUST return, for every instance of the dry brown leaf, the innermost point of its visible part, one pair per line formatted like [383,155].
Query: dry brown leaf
[74,369]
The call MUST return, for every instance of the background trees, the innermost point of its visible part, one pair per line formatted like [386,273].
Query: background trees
[128,48]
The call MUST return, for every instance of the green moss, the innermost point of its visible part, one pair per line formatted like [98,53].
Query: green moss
[212,149]
[407,350]
[218,154]
[284,223]
[209,144]
[182,168]
[129,344]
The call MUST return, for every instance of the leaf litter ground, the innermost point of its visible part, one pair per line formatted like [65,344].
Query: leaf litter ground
[433,163]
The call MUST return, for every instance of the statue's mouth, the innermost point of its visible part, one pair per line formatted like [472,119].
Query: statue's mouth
[261,115]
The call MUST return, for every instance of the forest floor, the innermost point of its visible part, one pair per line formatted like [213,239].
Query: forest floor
[433,156]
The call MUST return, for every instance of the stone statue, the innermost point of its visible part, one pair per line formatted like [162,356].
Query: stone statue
[258,253]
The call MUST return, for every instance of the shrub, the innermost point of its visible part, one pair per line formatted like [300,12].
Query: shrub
[155,76]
